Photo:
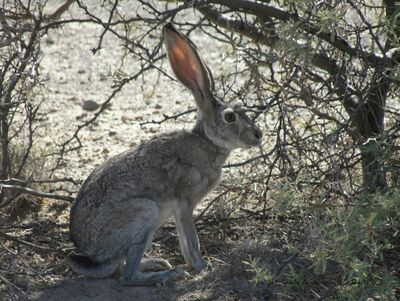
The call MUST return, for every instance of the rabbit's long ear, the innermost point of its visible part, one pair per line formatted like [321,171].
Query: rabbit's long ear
[186,63]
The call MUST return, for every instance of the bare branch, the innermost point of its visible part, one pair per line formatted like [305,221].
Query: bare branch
[267,11]
[36,193]
[168,117]
[24,242]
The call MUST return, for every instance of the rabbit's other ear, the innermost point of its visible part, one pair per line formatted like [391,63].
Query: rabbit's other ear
[186,63]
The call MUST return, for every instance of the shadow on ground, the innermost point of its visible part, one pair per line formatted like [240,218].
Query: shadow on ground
[228,280]
[79,289]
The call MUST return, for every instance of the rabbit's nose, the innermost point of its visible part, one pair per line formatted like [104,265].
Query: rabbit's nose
[257,133]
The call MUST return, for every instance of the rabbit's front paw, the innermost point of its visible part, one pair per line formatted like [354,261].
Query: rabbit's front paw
[202,265]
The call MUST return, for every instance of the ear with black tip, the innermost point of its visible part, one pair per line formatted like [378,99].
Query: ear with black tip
[187,64]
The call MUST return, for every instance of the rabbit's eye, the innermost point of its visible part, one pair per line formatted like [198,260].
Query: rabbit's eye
[230,116]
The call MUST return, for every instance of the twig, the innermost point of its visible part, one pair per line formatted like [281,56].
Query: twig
[24,242]
[13,181]
[285,263]
[12,286]
[167,117]
[262,156]
[210,204]
[37,193]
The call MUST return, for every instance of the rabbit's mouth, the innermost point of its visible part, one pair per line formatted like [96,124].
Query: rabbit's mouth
[251,138]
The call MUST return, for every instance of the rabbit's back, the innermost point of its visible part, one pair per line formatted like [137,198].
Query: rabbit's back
[173,167]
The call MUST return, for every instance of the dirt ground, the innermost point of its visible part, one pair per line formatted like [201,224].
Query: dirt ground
[73,77]
[227,280]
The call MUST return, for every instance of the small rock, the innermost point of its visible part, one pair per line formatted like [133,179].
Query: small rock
[128,118]
[82,116]
[112,133]
[49,41]
[90,105]
[96,138]
[81,71]
[158,106]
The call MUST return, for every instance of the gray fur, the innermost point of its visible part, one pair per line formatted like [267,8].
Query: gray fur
[124,201]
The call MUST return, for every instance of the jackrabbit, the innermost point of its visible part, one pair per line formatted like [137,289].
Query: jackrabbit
[124,201]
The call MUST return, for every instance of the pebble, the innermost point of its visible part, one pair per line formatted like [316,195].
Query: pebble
[82,116]
[128,118]
[49,41]
[90,105]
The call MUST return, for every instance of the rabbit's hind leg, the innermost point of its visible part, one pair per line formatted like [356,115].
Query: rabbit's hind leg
[140,232]
[133,274]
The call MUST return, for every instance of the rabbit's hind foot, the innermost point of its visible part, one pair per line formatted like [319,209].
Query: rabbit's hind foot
[154,278]
[154,265]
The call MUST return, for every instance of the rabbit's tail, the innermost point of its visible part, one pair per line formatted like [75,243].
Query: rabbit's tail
[85,266]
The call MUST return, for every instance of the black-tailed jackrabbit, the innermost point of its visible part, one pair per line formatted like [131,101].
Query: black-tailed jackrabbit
[124,201]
